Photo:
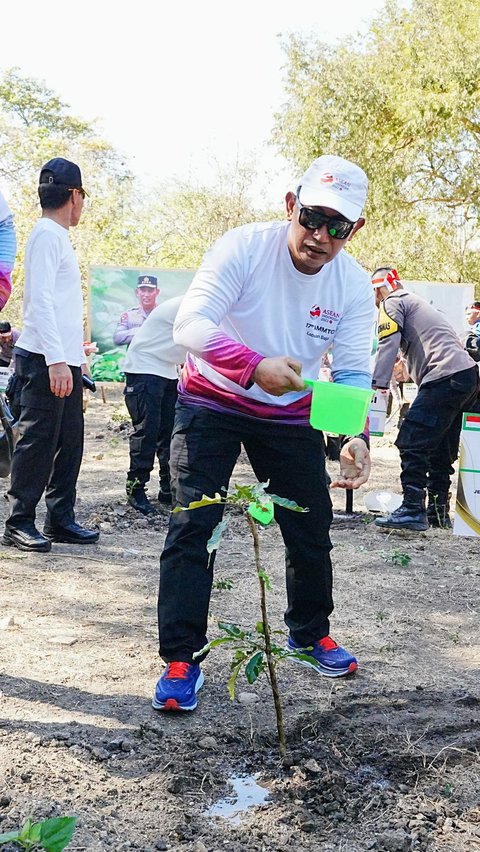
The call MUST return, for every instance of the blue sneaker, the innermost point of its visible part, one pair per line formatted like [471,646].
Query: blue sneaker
[332,660]
[178,686]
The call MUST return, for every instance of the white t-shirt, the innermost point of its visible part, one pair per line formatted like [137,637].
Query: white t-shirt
[152,349]
[248,301]
[52,301]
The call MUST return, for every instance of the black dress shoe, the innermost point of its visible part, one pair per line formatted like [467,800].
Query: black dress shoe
[26,537]
[70,533]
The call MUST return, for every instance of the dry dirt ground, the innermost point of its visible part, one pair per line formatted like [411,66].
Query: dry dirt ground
[386,760]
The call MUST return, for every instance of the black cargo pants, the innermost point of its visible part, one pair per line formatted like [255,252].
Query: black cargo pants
[150,401]
[429,437]
[205,447]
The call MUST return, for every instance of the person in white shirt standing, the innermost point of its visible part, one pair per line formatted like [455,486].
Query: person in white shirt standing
[49,363]
[269,300]
[150,395]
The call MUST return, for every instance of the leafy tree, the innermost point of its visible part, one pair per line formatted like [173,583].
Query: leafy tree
[123,224]
[404,102]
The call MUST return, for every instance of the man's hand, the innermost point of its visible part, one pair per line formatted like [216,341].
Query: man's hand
[278,375]
[61,379]
[354,465]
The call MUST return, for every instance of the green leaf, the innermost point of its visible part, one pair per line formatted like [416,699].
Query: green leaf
[287,504]
[260,628]
[9,836]
[29,834]
[199,504]
[259,492]
[201,652]
[241,493]
[216,537]
[56,833]
[297,655]
[223,584]
[213,644]
[232,629]
[265,578]
[254,667]
[233,679]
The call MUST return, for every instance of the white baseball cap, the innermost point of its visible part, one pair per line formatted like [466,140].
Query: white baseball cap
[334,182]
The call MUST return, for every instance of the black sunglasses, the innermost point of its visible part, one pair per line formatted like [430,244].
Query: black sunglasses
[312,220]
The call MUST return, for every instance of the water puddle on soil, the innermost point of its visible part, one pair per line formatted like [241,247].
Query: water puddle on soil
[246,794]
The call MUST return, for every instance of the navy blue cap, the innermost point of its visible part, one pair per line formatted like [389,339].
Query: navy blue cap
[147,281]
[62,172]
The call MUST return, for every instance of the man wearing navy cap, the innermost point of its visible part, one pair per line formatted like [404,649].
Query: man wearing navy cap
[146,292]
[49,364]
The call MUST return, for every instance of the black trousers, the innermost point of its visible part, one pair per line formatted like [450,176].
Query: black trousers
[49,450]
[150,401]
[429,437]
[205,447]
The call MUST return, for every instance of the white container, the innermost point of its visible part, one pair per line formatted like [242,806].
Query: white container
[467,508]
[377,413]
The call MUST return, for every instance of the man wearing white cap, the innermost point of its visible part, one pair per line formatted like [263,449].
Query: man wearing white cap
[266,304]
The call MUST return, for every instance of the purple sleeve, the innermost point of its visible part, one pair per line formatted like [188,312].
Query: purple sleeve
[231,359]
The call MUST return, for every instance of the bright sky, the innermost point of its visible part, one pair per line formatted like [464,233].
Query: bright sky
[174,85]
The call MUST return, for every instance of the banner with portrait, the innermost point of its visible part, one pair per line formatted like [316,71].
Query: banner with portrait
[120,299]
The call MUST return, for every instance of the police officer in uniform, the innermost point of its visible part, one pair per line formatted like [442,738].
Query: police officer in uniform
[146,292]
[447,381]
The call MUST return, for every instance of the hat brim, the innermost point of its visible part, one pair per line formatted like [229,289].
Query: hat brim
[321,197]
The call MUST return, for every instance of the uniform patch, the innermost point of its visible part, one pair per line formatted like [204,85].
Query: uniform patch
[386,325]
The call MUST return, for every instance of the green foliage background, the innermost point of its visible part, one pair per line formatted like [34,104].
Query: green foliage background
[403,102]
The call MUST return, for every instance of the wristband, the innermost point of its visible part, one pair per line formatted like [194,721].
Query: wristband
[348,438]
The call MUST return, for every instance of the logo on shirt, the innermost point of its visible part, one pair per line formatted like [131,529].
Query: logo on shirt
[315,311]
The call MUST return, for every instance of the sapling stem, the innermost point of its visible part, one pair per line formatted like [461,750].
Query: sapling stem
[266,633]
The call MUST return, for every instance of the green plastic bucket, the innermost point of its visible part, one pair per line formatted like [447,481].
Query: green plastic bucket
[341,409]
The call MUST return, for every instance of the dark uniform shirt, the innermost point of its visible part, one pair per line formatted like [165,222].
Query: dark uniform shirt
[428,341]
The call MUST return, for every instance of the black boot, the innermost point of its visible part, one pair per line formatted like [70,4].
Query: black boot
[137,498]
[164,492]
[411,515]
[438,509]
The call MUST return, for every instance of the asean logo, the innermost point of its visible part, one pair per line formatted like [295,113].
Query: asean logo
[315,312]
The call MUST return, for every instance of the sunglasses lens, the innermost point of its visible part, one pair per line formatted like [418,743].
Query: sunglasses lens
[312,221]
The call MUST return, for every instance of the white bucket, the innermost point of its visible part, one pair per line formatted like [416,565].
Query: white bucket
[382,501]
